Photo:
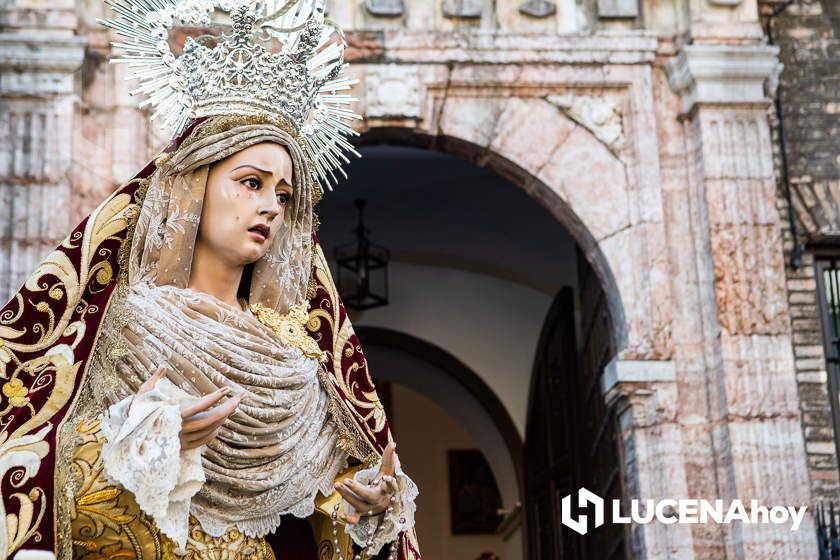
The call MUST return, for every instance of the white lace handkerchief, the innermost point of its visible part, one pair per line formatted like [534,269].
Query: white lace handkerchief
[143,454]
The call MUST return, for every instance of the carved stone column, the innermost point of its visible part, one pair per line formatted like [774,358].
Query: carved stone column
[38,55]
[760,452]
[644,396]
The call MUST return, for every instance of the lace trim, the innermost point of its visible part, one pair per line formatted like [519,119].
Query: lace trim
[142,453]
[259,527]
[392,523]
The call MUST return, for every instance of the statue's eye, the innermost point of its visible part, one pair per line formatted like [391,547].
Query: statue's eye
[252,183]
[283,198]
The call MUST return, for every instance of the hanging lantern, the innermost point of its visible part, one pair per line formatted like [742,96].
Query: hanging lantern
[362,267]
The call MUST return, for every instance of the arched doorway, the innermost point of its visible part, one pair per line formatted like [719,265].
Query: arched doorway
[477,261]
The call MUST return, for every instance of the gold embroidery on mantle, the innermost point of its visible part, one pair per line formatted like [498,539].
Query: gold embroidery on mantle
[51,320]
[92,395]
[106,521]
[291,327]
[352,437]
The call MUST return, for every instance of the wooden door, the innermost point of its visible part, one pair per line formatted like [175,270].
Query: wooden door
[551,443]
[571,435]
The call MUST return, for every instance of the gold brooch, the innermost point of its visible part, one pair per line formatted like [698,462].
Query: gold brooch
[291,327]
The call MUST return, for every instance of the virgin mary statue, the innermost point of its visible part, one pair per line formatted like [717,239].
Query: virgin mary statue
[180,378]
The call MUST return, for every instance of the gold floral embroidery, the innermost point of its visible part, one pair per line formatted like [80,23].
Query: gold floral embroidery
[16,392]
[350,421]
[232,545]
[105,520]
[291,327]
[60,277]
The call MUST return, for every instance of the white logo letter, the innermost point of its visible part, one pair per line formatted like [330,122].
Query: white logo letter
[584,497]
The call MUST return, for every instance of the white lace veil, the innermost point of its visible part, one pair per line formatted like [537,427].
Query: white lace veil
[164,238]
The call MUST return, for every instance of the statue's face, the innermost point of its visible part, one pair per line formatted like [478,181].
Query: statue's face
[245,201]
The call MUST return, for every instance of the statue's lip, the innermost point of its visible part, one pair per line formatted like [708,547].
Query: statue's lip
[262,229]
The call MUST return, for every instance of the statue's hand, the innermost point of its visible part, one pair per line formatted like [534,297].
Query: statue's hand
[370,499]
[199,422]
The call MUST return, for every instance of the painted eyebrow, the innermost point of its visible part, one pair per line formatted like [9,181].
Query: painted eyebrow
[263,171]
[266,172]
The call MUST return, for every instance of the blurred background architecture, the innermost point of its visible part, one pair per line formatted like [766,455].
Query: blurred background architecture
[613,260]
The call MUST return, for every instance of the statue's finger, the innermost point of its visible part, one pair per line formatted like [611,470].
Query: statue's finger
[350,518]
[233,403]
[213,435]
[352,499]
[204,419]
[205,438]
[204,402]
[199,429]
[388,459]
[201,433]
[367,493]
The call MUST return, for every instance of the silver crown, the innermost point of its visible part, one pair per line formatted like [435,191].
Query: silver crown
[256,58]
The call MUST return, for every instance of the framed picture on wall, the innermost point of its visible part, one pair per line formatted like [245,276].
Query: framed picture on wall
[473,495]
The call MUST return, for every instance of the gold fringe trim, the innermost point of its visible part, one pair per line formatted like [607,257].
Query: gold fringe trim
[312,287]
[350,437]
[219,124]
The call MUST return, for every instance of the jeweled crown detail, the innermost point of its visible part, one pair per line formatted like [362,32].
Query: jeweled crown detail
[257,58]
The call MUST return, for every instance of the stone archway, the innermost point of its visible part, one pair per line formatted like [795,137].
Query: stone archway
[579,140]
[579,143]
[702,375]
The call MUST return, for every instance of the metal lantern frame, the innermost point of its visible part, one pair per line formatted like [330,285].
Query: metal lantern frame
[356,264]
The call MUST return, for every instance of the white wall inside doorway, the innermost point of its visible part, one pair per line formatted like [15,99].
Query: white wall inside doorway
[424,433]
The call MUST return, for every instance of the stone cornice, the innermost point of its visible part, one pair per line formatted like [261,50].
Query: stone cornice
[39,64]
[637,371]
[723,74]
[435,47]
[41,53]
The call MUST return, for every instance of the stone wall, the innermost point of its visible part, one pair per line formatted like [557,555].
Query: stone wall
[808,34]
[39,53]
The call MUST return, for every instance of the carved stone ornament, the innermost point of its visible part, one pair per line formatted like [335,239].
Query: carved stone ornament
[538,8]
[385,8]
[618,8]
[470,9]
[392,91]
[600,115]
